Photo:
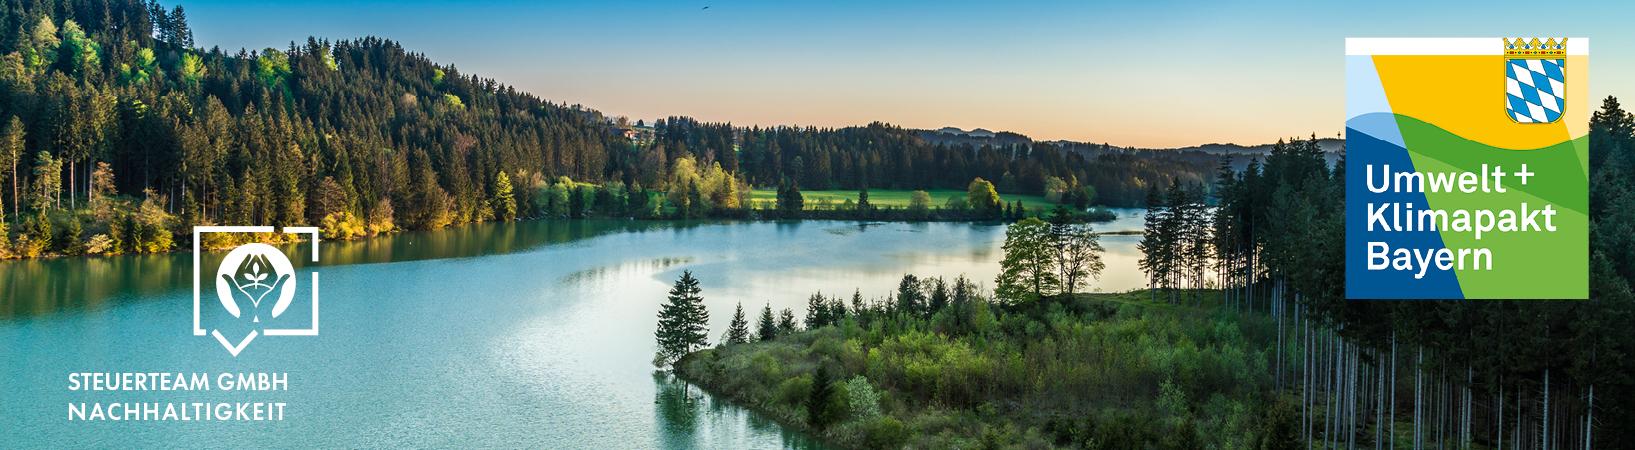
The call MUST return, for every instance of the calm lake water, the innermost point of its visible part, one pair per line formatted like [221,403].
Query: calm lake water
[533,334]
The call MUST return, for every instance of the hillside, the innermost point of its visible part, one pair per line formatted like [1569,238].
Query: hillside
[120,129]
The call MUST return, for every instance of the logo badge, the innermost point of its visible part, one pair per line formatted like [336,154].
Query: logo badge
[1535,79]
[255,287]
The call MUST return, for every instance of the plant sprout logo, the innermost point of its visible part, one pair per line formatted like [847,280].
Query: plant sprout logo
[256,286]
[249,274]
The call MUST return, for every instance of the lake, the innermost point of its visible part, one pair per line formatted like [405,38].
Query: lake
[531,334]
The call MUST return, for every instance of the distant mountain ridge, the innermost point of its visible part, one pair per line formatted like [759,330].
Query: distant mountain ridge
[1332,147]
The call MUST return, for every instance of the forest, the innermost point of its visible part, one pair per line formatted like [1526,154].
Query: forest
[1243,338]
[119,132]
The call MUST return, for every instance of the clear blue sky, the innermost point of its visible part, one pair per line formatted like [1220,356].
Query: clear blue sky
[1144,73]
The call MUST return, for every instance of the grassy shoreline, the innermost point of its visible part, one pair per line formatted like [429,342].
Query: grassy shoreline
[895,198]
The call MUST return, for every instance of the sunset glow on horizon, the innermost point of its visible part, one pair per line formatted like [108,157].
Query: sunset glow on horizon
[1157,74]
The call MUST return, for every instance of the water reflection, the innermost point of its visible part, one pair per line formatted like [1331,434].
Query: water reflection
[601,273]
[689,418]
[43,286]
[548,346]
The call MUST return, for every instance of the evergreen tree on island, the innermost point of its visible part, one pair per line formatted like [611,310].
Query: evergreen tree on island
[768,326]
[683,322]
[786,322]
[817,312]
[818,412]
[738,330]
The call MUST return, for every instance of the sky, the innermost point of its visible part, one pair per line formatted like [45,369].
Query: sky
[1157,73]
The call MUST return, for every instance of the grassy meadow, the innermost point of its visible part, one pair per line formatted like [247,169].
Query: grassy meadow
[896,198]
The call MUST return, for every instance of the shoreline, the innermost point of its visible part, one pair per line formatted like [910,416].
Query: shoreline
[182,246]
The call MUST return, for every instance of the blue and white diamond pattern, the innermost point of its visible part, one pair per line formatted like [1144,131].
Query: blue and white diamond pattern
[1533,89]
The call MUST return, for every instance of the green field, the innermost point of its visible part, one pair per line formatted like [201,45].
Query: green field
[768,198]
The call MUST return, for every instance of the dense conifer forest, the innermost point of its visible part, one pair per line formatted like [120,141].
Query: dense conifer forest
[118,132]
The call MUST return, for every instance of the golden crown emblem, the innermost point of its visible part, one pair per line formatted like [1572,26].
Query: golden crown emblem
[1535,48]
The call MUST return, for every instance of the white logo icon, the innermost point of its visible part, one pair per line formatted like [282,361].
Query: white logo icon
[255,284]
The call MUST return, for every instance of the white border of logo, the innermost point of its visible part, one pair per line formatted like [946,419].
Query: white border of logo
[312,233]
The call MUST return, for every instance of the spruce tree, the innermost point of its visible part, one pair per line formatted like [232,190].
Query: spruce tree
[786,322]
[11,152]
[738,330]
[939,296]
[909,298]
[817,404]
[768,327]
[837,311]
[817,311]
[683,322]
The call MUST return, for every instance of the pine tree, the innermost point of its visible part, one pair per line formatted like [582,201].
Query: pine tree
[817,312]
[182,35]
[837,311]
[909,298]
[5,232]
[790,200]
[822,395]
[767,329]
[786,322]
[683,322]
[738,330]
[1154,246]
[11,152]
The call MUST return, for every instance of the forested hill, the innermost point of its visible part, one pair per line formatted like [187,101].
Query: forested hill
[249,136]
[114,122]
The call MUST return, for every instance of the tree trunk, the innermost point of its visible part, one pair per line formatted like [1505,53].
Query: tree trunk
[1544,427]
[1464,413]
[1305,384]
[1351,401]
[1278,360]
[1589,418]
[1419,384]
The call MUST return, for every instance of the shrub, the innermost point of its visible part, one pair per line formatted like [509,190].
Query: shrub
[101,244]
[794,391]
[884,432]
[380,217]
[342,225]
[861,398]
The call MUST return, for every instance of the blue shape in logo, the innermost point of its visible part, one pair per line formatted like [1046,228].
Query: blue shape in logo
[1534,89]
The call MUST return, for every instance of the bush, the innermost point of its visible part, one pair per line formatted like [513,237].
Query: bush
[884,432]
[861,398]
[794,391]
[101,244]
[342,225]
[380,217]
[5,238]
